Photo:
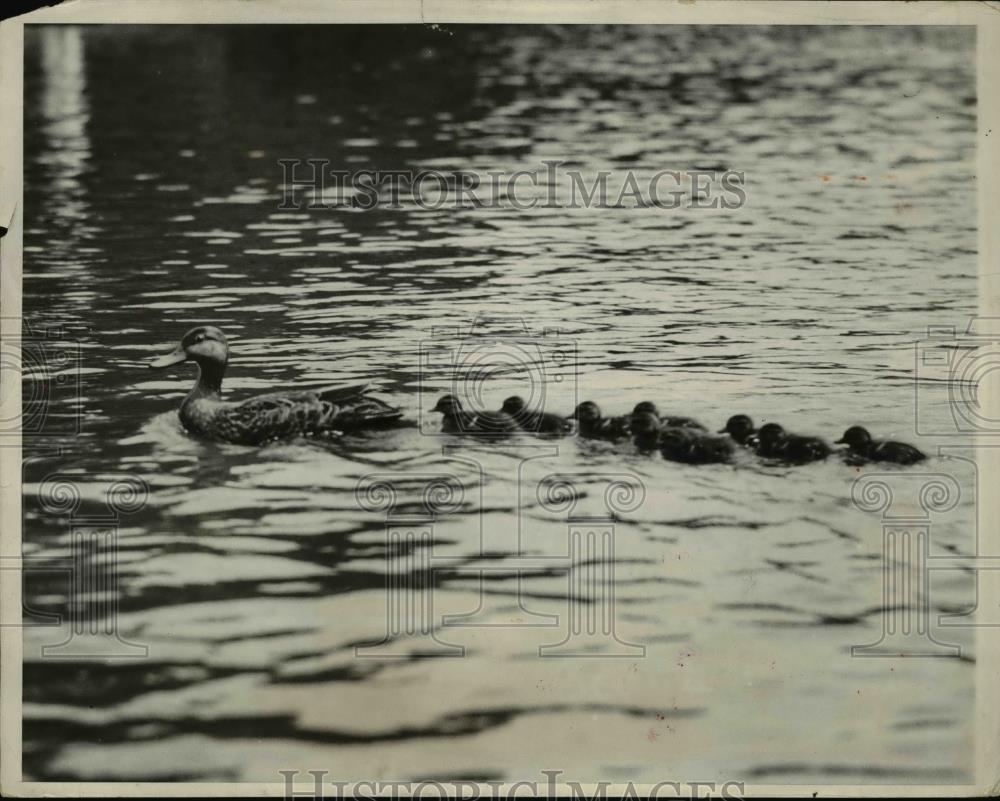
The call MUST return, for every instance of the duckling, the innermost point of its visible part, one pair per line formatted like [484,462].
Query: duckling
[591,425]
[533,421]
[741,428]
[776,443]
[645,428]
[671,421]
[690,446]
[276,415]
[860,443]
[456,420]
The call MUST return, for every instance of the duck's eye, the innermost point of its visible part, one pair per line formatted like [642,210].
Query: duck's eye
[199,338]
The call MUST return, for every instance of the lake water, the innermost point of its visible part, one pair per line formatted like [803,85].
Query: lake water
[250,575]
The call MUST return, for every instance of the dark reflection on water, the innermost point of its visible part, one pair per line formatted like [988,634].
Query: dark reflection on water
[151,195]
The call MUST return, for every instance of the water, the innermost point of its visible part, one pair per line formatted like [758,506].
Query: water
[151,199]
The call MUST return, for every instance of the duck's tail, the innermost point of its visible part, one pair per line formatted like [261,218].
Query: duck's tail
[360,411]
[342,394]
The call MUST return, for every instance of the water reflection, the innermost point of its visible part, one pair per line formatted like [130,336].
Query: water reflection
[64,106]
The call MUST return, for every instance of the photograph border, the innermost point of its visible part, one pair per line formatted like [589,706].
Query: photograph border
[984,16]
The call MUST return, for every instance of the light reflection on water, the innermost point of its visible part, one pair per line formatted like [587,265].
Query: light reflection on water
[152,188]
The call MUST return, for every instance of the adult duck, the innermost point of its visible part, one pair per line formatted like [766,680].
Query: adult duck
[276,415]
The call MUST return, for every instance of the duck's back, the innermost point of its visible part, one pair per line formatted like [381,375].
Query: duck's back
[541,422]
[279,415]
[691,446]
[805,449]
[708,449]
[494,423]
[361,411]
[674,421]
[898,452]
[770,450]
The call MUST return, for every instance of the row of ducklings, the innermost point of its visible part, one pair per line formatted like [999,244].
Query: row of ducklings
[679,439]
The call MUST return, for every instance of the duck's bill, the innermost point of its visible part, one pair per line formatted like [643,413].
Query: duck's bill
[166,361]
[840,442]
[722,431]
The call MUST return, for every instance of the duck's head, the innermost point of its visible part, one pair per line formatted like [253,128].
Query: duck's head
[206,345]
[514,405]
[771,434]
[644,424]
[856,437]
[739,427]
[646,407]
[448,404]
[588,412]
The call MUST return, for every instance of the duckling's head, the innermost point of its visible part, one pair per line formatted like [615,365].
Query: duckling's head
[644,424]
[448,404]
[206,345]
[587,412]
[771,434]
[646,407]
[514,405]
[739,427]
[856,437]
